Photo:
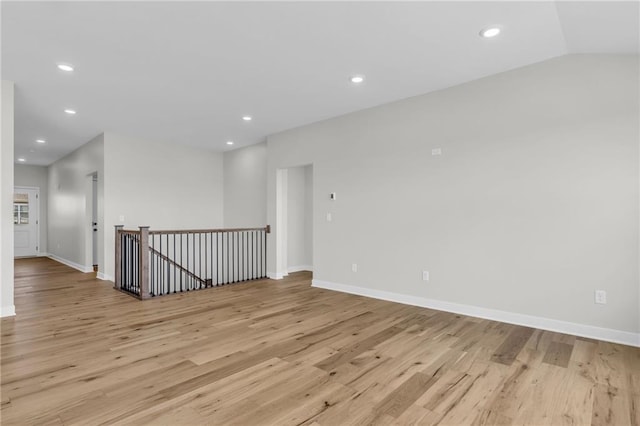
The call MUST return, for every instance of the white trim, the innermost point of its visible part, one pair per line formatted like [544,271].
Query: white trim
[74,265]
[8,311]
[37,189]
[300,268]
[590,331]
[43,254]
[104,277]
[275,276]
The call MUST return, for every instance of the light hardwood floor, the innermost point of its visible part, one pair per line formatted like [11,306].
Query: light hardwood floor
[281,352]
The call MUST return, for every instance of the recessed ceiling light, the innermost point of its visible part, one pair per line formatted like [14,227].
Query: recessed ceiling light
[70,111]
[41,141]
[22,160]
[32,150]
[65,67]
[357,79]
[247,118]
[229,142]
[490,32]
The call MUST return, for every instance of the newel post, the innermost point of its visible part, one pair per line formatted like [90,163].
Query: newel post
[144,262]
[118,258]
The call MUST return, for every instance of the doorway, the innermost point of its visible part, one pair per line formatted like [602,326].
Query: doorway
[94,220]
[26,221]
[294,239]
[92,224]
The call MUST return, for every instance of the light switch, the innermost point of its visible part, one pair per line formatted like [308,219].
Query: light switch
[601,297]
[329,218]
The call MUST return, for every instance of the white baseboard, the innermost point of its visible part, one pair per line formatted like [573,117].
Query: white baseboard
[583,330]
[104,277]
[74,265]
[299,268]
[275,276]
[43,254]
[8,311]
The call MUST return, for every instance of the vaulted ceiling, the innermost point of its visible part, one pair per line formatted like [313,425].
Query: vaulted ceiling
[187,72]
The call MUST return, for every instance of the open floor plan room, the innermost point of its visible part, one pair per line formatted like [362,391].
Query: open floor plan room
[322,213]
[284,353]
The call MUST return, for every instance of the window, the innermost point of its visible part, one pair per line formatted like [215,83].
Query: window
[20,209]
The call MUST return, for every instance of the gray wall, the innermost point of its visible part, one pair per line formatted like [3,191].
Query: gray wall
[245,187]
[6,202]
[533,204]
[36,176]
[161,185]
[69,200]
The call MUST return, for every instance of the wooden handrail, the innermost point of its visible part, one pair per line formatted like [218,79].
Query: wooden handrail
[177,265]
[202,231]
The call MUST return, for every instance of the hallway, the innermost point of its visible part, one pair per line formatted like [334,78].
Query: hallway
[282,352]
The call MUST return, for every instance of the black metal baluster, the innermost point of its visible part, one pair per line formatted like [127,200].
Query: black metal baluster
[252,254]
[175,270]
[125,256]
[128,262]
[135,264]
[242,255]
[260,257]
[217,257]
[124,271]
[206,259]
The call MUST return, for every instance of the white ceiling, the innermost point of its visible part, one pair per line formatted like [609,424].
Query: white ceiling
[187,72]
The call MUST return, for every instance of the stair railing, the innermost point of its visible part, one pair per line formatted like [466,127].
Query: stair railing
[150,263]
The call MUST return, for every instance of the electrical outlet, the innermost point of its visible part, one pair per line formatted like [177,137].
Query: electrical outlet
[436,151]
[601,297]
[425,275]
[354,267]
[121,218]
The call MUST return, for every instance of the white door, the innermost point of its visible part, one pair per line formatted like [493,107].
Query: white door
[94,218]
[25,221]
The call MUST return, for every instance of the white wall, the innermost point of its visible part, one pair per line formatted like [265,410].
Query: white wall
[532,205]
[6,201]
[245,187]
[161,185]
[36,176]
[299,214]
[69,198]
[308,216]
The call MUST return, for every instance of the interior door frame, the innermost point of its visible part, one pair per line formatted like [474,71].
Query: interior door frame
[37,189]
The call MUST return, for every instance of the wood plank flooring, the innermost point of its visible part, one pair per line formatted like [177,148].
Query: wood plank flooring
[283,353]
